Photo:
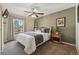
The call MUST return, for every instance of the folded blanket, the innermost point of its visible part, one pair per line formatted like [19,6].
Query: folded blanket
[38,37]
[28,41]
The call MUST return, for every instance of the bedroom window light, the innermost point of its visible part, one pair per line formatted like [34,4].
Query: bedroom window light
[18,26]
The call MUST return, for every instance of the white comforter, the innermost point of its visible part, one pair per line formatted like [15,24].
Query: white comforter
[29,41]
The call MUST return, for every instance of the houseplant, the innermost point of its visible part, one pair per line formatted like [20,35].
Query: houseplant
[57,30]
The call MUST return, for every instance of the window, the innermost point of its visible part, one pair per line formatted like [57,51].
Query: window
[18,25]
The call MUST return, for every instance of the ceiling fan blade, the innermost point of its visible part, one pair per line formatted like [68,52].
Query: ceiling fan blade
[33,9]
[30,14]
[40,13]
[28,11]
[36,15]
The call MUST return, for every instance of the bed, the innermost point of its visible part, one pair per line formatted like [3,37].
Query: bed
[31,40]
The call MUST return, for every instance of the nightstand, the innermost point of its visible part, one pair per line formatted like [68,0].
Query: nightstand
[56,37]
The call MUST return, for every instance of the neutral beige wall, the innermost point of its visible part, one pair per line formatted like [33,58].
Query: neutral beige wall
[69,30]
[29,24]
[5,29]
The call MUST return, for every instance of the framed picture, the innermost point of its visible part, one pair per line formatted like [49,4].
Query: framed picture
[61,21]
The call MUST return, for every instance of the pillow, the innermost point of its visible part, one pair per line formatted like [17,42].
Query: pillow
[38,31]
[42,29]
[46,30]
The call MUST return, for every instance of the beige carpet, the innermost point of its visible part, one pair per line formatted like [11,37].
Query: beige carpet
[49,48]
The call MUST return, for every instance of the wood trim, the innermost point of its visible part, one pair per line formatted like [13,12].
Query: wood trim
[8,41]
[68,43]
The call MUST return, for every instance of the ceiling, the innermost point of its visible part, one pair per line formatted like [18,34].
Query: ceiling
[46,8]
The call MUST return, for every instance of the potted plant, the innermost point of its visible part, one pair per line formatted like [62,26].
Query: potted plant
[57,30]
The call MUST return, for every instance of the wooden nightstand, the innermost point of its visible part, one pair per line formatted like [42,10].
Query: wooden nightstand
[56,37]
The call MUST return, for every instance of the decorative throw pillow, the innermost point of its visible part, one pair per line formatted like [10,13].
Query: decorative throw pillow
[42,29]
[38,31]
[46,30]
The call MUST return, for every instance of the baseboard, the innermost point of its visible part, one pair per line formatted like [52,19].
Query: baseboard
[8,41]
[68,43]
[72,45]
[77,50]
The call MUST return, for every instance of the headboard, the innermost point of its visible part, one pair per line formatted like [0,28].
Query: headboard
[46,29]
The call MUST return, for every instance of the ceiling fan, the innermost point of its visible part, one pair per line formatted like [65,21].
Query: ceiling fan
[34,12]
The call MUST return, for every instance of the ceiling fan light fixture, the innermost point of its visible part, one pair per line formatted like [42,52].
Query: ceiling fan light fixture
[35,13]
[33,16]
[35,10]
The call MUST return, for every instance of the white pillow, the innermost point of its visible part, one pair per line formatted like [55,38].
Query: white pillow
[38,31]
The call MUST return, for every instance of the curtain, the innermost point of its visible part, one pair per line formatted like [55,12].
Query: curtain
[10,28]
[10,34]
